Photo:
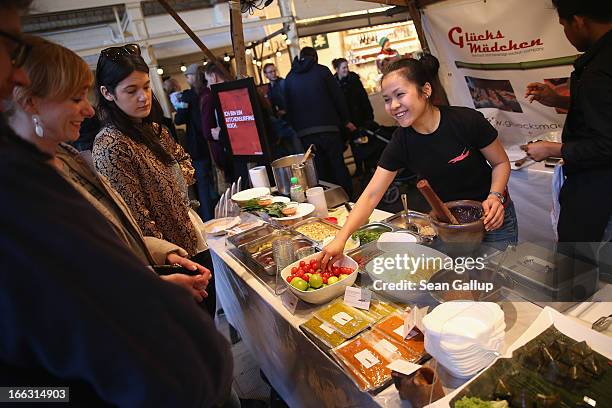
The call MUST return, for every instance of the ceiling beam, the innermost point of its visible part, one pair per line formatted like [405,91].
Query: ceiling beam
[390,2]
[165,38]
[419,3]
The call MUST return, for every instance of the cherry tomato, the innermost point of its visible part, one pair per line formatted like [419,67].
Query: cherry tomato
[325,278]
[299,272]
[325,275]
[314,264]
[290,278]
[302,264]
[294,270]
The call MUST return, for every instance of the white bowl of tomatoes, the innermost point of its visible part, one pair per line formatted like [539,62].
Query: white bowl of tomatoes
[306,280]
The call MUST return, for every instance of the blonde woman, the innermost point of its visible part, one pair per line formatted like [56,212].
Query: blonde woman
[48,113]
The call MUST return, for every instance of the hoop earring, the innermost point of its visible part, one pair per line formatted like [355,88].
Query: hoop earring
[38,129]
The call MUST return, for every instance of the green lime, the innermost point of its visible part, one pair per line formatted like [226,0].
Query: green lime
[332,279]
[299,283]
[315,281]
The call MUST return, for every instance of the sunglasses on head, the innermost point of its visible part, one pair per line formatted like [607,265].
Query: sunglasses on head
[116,53]
[21,50]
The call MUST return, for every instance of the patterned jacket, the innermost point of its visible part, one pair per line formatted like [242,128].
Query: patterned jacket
[152,190]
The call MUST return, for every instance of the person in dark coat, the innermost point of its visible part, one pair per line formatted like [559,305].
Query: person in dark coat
[585,219]
[78,308]
[587,135]
[288,142]
[189,113]
[360,113]
[317,110]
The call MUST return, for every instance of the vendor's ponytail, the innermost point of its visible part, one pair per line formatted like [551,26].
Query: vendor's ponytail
[419,72]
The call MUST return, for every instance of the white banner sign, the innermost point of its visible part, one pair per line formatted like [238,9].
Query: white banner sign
[490,50]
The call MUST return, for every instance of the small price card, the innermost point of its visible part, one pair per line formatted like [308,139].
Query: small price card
[358,297]
[290,301]
[413,318]
[403,366]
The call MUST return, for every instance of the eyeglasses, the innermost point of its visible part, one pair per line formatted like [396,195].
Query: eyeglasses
[115,53]
[20,53]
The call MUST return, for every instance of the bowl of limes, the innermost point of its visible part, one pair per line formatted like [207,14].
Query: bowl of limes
[308,282]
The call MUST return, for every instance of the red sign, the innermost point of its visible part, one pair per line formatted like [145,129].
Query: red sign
[240,122]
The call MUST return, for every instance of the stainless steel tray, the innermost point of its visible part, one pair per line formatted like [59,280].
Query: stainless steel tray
[251,235]
[251,248]
[364,254]
[415,218]
[312,220]
[265,259]
[375,226]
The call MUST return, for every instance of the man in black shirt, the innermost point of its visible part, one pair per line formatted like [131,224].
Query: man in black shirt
[586,195]
[77,309]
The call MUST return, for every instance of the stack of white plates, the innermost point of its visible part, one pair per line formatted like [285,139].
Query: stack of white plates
[465,337]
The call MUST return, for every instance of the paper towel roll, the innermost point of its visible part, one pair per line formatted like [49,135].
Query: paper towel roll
[259,176]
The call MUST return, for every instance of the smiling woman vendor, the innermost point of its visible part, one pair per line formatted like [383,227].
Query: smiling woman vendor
[455,148]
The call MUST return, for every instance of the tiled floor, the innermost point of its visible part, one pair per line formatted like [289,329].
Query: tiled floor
[247,381]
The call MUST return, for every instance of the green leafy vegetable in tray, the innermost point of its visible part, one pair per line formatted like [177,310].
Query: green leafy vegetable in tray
[475,402]
[273,210]
[367,236]
[552,370]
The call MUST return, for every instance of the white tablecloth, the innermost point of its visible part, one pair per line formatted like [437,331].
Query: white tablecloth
[299,371]
[531,191]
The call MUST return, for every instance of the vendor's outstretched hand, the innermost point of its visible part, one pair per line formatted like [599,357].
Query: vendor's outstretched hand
[493,213]
[331,252]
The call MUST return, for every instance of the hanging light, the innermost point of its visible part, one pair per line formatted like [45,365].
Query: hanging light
[279,53]
[254,61]
[204,62]
[183,67]
[160,70]
[258,63]
[248,51]
[288,41]
[226,58]
[267,44]
[284,36]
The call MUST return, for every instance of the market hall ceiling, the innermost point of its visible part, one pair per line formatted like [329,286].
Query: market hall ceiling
[69,19]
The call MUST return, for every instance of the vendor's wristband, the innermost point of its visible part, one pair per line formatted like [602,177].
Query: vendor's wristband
[501,197]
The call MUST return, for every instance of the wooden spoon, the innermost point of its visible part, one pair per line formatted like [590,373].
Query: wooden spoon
[440,211]
[308,152]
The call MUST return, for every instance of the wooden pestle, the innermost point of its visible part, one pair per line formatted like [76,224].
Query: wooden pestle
[440,211]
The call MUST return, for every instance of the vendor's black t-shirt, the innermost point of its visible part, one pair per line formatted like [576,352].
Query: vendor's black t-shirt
[450,157]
